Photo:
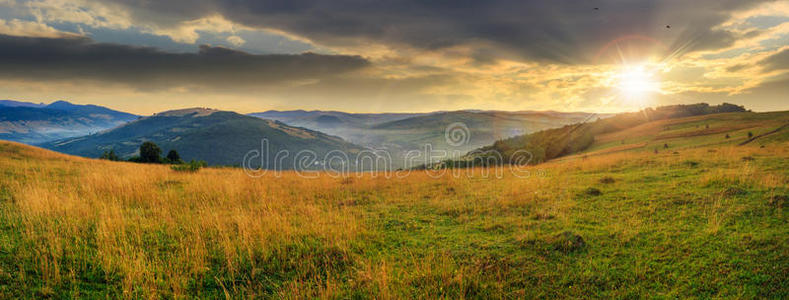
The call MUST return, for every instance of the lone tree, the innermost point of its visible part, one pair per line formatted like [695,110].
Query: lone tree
[173,157]
[150,153]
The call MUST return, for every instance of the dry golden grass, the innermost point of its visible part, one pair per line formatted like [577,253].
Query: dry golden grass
[154,232]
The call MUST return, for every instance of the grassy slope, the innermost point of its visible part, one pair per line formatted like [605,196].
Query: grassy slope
[707,221]
[693,132]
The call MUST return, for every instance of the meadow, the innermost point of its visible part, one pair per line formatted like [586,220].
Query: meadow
[703,222]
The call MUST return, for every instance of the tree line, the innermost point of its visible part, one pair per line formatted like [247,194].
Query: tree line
[151,153]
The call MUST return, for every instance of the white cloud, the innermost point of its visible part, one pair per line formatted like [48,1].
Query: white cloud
[104,15]
[236,40]
[189,31]
[17,27]
[79,12]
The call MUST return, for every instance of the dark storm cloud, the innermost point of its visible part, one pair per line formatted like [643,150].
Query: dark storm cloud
[778,61]
[561,30]
[83,59]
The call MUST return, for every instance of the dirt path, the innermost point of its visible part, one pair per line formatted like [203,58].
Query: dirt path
[764,134]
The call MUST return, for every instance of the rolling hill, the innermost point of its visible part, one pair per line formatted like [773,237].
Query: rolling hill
[708,222]
[661,129]
[484,127]
[330,120]
[399,133]
[33,123]
[218,137]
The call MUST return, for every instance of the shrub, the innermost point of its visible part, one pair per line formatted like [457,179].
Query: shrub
[734,191]
[568,242]
[110,155]
[778,201]
[192,166]
[607,180]
[593,191]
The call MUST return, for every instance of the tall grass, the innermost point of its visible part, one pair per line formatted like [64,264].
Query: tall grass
[75,227]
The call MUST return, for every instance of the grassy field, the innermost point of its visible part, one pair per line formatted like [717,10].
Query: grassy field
[698,131]
[698,221]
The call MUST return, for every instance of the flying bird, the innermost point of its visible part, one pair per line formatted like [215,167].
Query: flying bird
[596,8]
[668,26]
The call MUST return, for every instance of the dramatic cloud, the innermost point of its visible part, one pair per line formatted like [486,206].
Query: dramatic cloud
[562,31]
[31,29]
[80,58]
[778,61]
[406,55]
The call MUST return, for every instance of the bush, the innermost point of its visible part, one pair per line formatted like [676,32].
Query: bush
[593,191]
[568,242]
[691,163]
[110,155]
[607,180]
[192,166]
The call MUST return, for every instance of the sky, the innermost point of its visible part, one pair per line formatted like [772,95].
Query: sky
[144,56]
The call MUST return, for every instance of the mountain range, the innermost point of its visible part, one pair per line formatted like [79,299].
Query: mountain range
[218,137]
[398,133]
[34,123]
[223,138]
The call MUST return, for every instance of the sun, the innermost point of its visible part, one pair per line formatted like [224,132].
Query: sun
[637,82]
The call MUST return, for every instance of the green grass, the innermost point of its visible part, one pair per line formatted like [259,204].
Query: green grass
[708,222]
[694,132]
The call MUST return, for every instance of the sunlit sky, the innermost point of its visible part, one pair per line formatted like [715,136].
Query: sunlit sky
[395,56]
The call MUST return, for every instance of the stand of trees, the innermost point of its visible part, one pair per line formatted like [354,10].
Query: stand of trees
[151,153]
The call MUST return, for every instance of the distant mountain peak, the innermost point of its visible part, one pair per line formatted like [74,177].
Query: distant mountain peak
[194,111]
[12,103]
[61,104]
[37,123]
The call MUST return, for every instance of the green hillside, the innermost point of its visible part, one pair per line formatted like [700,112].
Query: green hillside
[709,222]
[693,132]
[658,129]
